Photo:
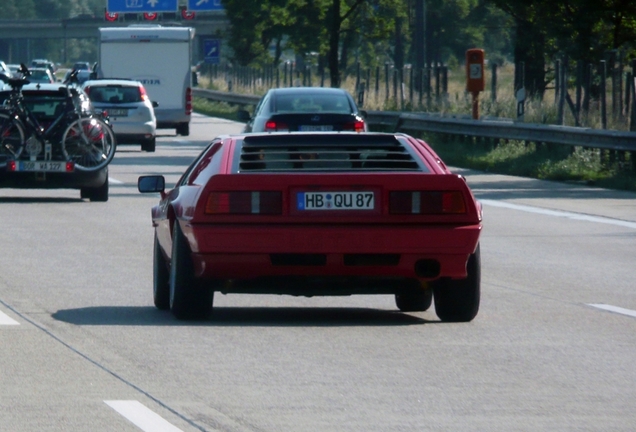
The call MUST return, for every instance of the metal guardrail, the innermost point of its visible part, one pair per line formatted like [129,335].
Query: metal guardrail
[498,129]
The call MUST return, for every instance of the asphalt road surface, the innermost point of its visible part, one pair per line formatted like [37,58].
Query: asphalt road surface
[82,347]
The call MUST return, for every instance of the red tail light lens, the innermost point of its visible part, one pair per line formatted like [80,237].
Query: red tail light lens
[427,202]
[357,126]
[144,96]
[188,101]
[244,202]
[273,126]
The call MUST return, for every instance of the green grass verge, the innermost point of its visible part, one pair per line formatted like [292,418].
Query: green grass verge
[606,169]
[215,109]
[556,162]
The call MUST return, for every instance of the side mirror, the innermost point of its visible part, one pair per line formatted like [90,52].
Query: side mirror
[243,115]
[155,104]
[363,113]
[153,183]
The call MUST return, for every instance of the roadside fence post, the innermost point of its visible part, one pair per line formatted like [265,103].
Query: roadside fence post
[493,82]
[603,71]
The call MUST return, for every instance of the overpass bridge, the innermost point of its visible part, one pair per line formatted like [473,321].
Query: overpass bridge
[18,37]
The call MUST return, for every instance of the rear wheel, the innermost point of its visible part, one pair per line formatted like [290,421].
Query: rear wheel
[189,299]
[183,129]
[12,139]
[90,143]
[98,194]
[458,300]
[160,278]
[418,301]
[148,145]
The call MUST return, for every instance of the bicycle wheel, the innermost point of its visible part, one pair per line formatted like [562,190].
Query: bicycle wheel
[90,143]
[12,139]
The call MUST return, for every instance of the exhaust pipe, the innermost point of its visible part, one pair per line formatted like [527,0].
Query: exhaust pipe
[427,268]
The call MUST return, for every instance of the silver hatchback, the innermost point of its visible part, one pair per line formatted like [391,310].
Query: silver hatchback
[131,113]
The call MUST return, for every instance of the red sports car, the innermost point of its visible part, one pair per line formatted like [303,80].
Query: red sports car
[311,214]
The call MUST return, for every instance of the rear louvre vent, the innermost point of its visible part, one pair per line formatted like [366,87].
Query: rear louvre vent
[345,152]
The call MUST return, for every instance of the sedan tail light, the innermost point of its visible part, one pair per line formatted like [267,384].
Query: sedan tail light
[357,126]
[274,126]
[244,202]
[427,202]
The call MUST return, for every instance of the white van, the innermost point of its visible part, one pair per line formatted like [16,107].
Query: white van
[158,57]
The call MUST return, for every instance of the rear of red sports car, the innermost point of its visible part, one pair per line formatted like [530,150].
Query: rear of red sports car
[333,214]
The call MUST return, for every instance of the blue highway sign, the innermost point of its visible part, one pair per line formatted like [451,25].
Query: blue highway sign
[204,5]
[212,50]
[139,6]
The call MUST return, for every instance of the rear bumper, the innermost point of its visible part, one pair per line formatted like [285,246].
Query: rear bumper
[230,252]
[33,180]
[169,118]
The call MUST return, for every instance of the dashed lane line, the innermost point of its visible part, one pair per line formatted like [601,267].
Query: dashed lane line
[6,320]
[615,309]
[141,416]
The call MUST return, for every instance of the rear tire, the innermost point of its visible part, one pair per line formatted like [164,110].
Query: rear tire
[96,194]
[160,278]
[415,301]
[148,145]
[183,129]
[458,300]
[189,299]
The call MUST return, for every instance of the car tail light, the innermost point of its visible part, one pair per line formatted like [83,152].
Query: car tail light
[427,202]
[357,126]
[188,101]
[87,90]
[11,166]
[142,93]
[244,202]
[274,126]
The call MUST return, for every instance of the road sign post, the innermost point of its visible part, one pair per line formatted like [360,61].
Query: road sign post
[141,6]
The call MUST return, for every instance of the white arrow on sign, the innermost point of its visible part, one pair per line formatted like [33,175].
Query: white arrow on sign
[212,51]
[200,2]
[153,3]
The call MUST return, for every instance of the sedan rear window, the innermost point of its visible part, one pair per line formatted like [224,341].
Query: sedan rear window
[114,94]
[337,103]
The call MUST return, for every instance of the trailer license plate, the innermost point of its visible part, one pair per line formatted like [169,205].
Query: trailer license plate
[42,166]
[335,201]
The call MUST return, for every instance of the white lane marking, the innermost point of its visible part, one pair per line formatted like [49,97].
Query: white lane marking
[564,214]
[141,416]
[5,320]
[615,309]
[114,181]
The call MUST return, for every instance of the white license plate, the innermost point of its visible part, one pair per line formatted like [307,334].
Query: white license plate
[117,112]
[335,201]
[41,166]
[315,128]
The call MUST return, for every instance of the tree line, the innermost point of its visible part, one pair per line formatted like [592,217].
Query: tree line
[338,34]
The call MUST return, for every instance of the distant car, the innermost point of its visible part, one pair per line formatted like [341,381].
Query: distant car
[83,75]
[47,102]
[43,63]
[305,109]
[14,69]
[129,109]
[41,75]
[317,214]
[81,66]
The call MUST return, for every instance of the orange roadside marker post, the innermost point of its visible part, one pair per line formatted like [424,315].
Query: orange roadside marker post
[475,81]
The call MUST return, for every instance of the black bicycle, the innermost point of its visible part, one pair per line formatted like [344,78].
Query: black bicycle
[72,134]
